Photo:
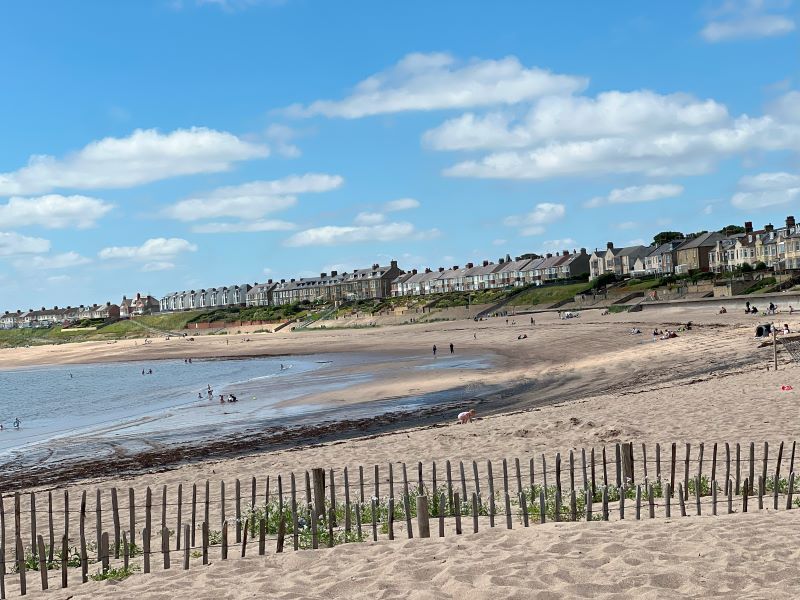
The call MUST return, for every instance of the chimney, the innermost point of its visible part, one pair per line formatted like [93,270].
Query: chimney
[748,227]
[283,281]
[455,267]
[441,269]
[565,253]
[610,245]
[393,264]
[55,308]
[413,271]
[427,270]
[291,281]
[501,260]
[269,281]
[323,275]
[486,263]
[375,266]
[790,221]
[769,227]
[108,303]
[470,265]
[583,250]
[334,273]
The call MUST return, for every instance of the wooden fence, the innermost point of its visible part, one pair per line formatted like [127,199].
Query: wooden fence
[60,536]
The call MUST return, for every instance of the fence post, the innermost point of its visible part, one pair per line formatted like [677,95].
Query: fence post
[423,522]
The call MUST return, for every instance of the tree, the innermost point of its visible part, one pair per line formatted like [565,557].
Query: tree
[746,268]
[761,266]
[667,236]
[732,229]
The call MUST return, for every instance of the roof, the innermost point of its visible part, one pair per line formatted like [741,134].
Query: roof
[635,251]
[483,270]
[665,248]
[701,241]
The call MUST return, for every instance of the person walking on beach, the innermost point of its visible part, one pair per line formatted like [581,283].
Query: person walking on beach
[434,351]
[452,348]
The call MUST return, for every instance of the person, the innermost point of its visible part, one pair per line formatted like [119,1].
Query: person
[754,310]
[281,366]
[791,310]
[466,416]
[747,307]
[221,399]
[149,371]
[771,308]
[434,351]
[722,310]
[142,371]
[17,423]
[190,361]
[786,330]
[452,348]
[474,336]
[227,342]
[199,396]
[70,375]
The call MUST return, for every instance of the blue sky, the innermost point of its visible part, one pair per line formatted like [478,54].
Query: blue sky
[173,144]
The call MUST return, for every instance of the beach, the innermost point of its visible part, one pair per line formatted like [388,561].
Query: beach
[572,385]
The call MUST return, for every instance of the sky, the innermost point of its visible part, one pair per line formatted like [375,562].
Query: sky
[164,145]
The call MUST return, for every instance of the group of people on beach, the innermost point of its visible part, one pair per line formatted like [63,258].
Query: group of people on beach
[16,424]
[751,309]
[435,350]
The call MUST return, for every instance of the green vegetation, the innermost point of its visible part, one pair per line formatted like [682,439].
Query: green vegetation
[603,280]
[667,236]
[637,285]
[253,313]
[761,285]
[549,294]
[114,574]
[618,308]
[168,322]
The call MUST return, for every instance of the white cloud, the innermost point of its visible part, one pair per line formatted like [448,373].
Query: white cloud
[257,226]
[578,118]
[636,193]
[369,218]
[251,200]
[533,222]
[281,137]
[638,242]
[747,19]
[332,235]
[53,211]
[154,249]
[161,265]
[55,261]
[12,244]
[143,157]
[618,133]
[401,204]
[767,189]
[558,245]
[437,81]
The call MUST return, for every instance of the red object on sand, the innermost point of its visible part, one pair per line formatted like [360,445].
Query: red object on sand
[787,388]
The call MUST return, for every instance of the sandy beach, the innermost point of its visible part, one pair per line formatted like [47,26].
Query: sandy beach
[571,385]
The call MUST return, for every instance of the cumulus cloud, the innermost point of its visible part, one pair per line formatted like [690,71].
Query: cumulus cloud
[55,261]
[636,193]
[638,132]
[401,204]
[767,189]
[257,226]
[280,137]
[12,244]
[436,81]
[53,211]
[533,223]
[143,157]
[251,200]
[747,19]
[369,218]
[154,249]
[332,235]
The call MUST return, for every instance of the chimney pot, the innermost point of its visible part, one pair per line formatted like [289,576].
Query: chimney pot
[610,245]
[748,227]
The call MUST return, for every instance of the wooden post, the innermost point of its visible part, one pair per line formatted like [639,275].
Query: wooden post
[509,516]
[223,520]
[318,479]
[730,497]
[238,510]
[714,463]
[463,480]
[225,541]
[681,499]
[544,474]
[165,546]
[622,503]
[98,523]
[295,521]
[775,494]
[17,515]
[618,464]
[281,532]
[697,494]
[332,490]
[3,549]
[583,468]
[605,503]
[164,507]
[132,515]
[34,541]
[638,502]
[43,560]
[82,526]
[449,475]
[308,487]
[594,485]
[752,471]
[589,500]
[644,462]
[658,462]
[64,552]
[280,496]
[148,507]
[605,469]
[359,507]
[477,479]
[244,537]
[573,505]
[738,467]
[115,517]
[531,474]
[347,518]
[262,536]
[66,515]
[390,518]
[558,472]
[51,537]
[374,522]
[376,477]
[519,474]
[764,462]
[714,497]
[126,550]
[419,477]
[21,567]
[791,461]
[542,506]
[360,483]
[505,477]
[442,505]
[727,466]
[187,543]
[457,505]
[778,463]
[686,473]
[205,542]
[407,510]
[672,467]
[253,488]
[207,507]
[145,550]
[627,464]
[314,531]
[651,501]
[194,513]
[790,491]
[745,490]
[331,518]
[434,488]
[491,493]
[423,521]
[667,500]
[391,480]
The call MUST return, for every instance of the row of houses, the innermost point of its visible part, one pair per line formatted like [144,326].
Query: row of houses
[778,248]
[48,317]
[489,275]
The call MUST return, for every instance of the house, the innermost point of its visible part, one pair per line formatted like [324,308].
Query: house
[98,311]
[511,273]
[398,286]
[138,305]
[261,294]
[576,265]
[480,277]
[229,296]
[661,259]
[625,259]
[374,283]
[693,254]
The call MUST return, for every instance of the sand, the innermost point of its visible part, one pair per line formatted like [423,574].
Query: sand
[591,384]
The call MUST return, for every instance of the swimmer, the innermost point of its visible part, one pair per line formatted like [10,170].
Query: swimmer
[17,423]
[282,367]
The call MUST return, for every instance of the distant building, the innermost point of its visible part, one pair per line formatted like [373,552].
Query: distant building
[138,305]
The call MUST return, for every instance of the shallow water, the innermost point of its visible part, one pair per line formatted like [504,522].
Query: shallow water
[77,409]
